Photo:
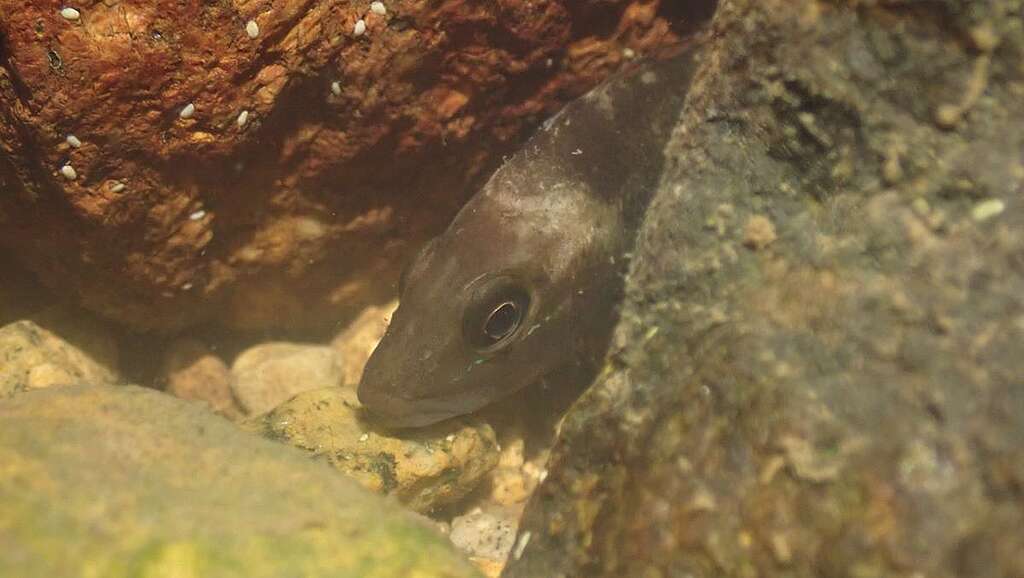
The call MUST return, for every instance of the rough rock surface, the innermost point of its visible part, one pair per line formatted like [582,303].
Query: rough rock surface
[125,481]
[487,534]
[267,375]
[64,352]
[192,371]
[818,370]
[167,167]
[425,468]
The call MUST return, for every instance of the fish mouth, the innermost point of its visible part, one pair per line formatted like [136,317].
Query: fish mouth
[397,412]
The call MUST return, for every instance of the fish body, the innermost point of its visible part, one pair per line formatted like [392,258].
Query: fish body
[526,279]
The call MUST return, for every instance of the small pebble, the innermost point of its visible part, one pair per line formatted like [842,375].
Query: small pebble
[187,112]
[336,88]
[252,29]
[378,8]
[117,188]
[69,172]
[243,117]
[73,141]
[987,209]
[360,28]
[70,14]
[197,215]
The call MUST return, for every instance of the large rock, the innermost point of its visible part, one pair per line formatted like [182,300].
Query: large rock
[166,167]
[819,367]
[102,481]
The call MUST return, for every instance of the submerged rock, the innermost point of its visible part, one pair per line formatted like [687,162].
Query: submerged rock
[425,468]
[125,481]
[35,357]
[192,371]
[267,375]
[357,341]
[818,371]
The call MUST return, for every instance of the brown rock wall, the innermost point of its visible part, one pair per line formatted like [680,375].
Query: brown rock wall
[308,158]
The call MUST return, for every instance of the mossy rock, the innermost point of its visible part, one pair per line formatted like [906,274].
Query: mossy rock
[125,481]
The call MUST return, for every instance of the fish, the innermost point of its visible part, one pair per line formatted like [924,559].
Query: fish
[526,280]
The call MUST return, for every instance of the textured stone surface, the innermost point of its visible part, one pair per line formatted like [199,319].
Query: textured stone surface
[192,371]
[267,375]
[487,534]
[194,497]
[351,149]
[424,468]
[62,352]
[818,370]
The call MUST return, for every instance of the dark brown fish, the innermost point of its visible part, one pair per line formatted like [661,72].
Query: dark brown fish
[526,279]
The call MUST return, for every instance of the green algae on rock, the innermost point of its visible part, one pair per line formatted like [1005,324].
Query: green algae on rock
[124,481]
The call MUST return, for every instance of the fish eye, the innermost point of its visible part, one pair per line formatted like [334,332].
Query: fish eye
[494,313]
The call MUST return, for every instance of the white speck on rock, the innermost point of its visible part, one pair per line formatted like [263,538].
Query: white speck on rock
[252,29]
[336,88]
[186,286]
[364,437]
[243,118]
[73,141]
[360,28]
[69,13]
[521,543]
[117,187]
[197,215]
[378,8]
[987,209]
[187,111]
[69,172]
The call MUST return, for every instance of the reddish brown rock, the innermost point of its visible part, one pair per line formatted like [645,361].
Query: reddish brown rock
[260,181]
[192,371]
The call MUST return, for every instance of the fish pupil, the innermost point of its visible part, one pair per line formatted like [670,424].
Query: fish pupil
[502,321]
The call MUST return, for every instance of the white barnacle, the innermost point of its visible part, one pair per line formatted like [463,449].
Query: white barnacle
[336,88]
[69,172]
[70,14]
[378,8]
[360,28]
[243,118]
[73,141]
[252,29]
[187,111]
[197,215]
